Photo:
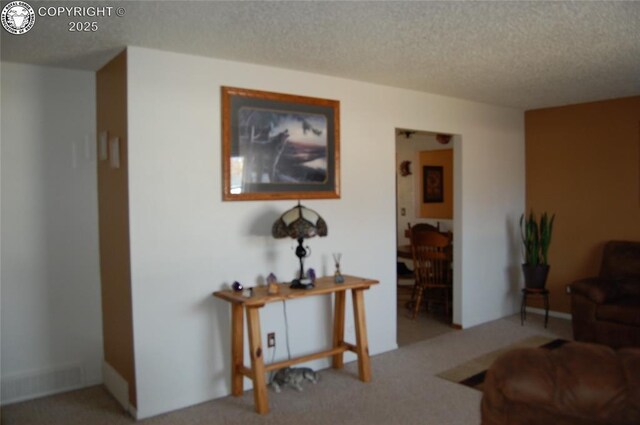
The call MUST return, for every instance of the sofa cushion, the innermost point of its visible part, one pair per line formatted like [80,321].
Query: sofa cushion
[625,311]
[620,260]
[564,378]
[628,286]
[576,384]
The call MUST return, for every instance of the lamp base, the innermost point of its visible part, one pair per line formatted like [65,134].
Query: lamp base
[305,283]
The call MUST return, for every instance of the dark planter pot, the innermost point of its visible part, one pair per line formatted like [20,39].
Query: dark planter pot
[535,277]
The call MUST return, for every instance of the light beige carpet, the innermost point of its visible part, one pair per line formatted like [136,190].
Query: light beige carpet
[425,326]
[404,390]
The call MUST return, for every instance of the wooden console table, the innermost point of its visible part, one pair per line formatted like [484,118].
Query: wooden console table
[252,305]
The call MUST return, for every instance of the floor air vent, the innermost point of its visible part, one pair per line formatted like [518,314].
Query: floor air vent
[37,384]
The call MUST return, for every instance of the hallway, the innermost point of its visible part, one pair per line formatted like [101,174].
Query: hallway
[426,326]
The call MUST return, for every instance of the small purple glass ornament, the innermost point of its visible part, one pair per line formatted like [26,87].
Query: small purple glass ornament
[272,278]
[311,274]
[237,286]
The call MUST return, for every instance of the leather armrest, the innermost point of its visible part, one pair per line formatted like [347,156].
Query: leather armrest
[597,289]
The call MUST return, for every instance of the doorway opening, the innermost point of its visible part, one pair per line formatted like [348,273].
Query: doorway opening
[424,194]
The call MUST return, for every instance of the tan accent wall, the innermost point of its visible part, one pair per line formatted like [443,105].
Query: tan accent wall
[443,158]
[113,213]
[583,163]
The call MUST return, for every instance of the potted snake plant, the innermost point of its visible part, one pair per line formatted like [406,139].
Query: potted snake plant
[536,238]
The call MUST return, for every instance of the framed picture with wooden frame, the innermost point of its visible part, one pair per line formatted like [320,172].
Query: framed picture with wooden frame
[279,146]
[432,185]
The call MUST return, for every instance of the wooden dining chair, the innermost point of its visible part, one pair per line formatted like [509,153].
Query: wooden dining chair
[421,227]
[432,267]
[410,275]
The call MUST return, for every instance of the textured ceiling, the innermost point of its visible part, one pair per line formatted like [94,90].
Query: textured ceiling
[524,55]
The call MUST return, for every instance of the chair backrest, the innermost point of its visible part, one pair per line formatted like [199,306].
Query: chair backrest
[432,257]
[421,227]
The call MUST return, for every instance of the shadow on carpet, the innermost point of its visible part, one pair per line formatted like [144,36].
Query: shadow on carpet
[472,373]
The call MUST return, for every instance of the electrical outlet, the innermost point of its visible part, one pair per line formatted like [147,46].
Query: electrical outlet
[271,339]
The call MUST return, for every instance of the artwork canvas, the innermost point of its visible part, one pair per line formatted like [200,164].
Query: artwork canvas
[278,146]
[433,185]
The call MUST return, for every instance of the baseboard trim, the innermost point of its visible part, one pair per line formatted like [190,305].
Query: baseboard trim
[117,386]
[557,314]
[133,412]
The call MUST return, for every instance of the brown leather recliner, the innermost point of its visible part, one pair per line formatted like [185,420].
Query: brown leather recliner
[578,383]
[606,309]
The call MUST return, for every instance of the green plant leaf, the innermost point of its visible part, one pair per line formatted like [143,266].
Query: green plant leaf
[536,237]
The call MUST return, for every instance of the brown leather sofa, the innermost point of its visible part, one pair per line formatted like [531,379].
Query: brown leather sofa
[578,383]
[606,309]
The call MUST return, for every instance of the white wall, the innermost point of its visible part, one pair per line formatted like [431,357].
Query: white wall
[187,243]
[51,314]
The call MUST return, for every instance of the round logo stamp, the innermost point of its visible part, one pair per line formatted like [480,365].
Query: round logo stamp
[18,17]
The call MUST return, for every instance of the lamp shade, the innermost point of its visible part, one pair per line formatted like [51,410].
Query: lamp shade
[299,222]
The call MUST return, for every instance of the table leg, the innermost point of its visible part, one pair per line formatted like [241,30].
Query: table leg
[237,349]
[257,360]
[338,327]
[523,308]
[362,346]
